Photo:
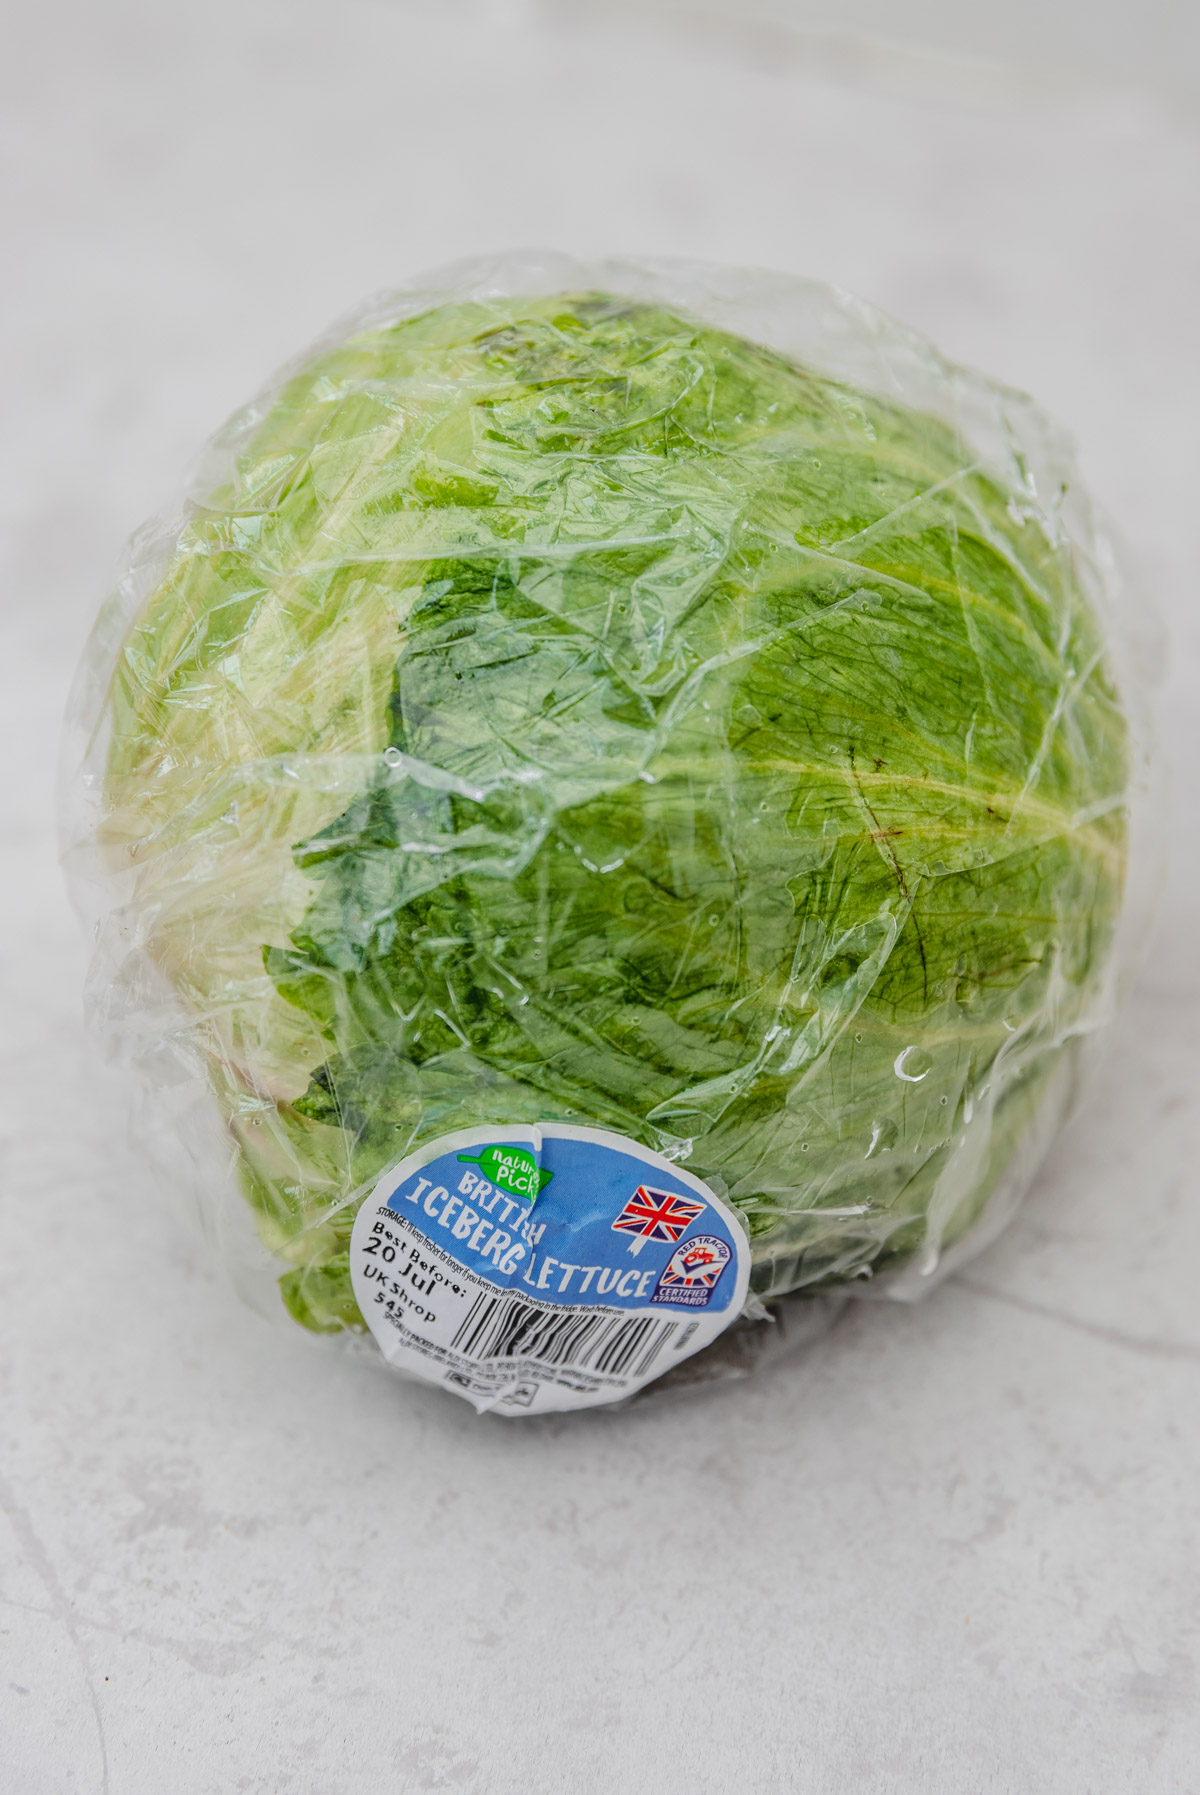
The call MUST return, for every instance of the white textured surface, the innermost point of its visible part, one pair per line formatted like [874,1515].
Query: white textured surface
[952,1549]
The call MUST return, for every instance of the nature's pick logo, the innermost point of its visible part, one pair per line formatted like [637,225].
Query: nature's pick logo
[511,1169]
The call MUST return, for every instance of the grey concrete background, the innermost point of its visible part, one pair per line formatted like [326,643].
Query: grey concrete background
[951,1548]
[1154,44]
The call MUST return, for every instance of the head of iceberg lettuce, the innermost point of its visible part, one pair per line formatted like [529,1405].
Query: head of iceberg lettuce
[572,711]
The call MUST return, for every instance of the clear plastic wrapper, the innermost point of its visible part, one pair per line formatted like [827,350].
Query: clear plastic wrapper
[661,700]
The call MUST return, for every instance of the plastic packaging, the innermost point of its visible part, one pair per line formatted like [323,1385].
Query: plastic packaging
[662,700]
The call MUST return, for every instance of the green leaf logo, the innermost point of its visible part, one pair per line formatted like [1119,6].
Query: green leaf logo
[511,1169]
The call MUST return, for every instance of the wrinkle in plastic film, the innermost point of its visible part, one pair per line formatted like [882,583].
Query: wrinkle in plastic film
[662,699]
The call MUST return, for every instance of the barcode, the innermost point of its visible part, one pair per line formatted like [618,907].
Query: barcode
[504,1327]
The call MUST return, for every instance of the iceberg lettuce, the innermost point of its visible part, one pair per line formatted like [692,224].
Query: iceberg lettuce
[570,710]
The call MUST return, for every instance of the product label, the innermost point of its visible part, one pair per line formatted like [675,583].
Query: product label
[537,1268]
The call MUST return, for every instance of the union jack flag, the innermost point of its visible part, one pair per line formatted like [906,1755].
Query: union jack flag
[656,1215]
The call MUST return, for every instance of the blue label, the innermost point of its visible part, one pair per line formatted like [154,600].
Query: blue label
[529,1269]
[605,1227]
